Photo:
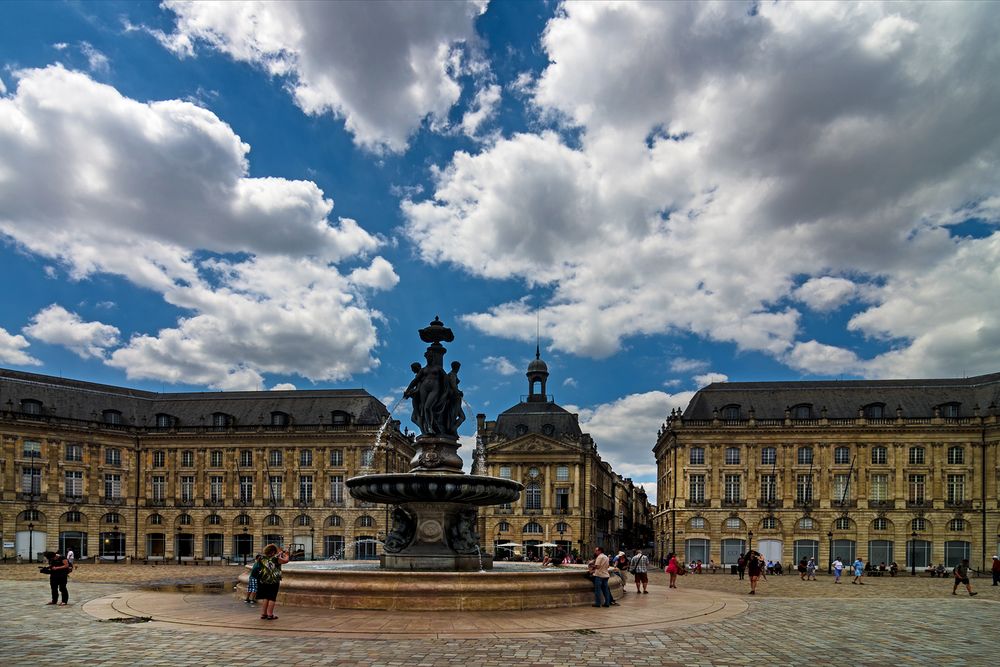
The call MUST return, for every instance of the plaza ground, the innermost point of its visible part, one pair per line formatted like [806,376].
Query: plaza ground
[709,620]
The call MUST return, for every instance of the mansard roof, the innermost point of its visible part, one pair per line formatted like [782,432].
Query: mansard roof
[76,399]
[842,399]
[534,417]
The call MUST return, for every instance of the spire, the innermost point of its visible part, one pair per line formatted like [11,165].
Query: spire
[538,373]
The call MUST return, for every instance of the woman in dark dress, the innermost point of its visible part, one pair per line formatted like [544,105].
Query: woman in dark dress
[58,577]
[755,565]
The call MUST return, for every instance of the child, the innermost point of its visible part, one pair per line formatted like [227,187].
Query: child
[252,583]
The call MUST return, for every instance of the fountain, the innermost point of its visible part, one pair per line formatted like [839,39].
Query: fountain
[431,557]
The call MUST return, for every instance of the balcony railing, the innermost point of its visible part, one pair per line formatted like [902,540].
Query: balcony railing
[116,501]
[156,502]
[918,504]
[215,502]
[75,500]
[732,502]
[29,497]
[771,503]
[701,502]
[959,504]
[844,503]
[185,502]
[334,503]
[881,504]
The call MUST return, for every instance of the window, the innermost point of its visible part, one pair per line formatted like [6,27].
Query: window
[272,520]
[184,519]
[221,421]
[917,488]
[334,521]
[159,459]
[956,489]
[956,455]
[74,483]
[881,523]
[112,517]
[732,455]
[275,458]
[842,523]
[919,525]
[340,418]
[187,488]
[520,429]
[302,520]
[305,488]
[805,455]
[246,458]
[768,488]
[505,472]
[731,412]
[697,456]
[879,487]
[698,523]
[841,486]
[533,528]
[112,456]
[955,552]
[158,488]
[336,458]
[734,524]
[31,481]
[880,455]
[74,452]
[246,489]
[32,449]
[337,489]
[215,458]
[31,407]
[187,459]
[366,521]
[164,421]
[279,419]
[243,520]
[367,457]
[503,527]
[874,411]
[697,485]
[306,458]
[956,524]
[73,517]
[111,417]
[562,473]
[548,429]
[732,488]
[803,489]
[807,523]
[916,456]
[842,455]
[562,499]
[950,410]
[769,523]
[215,484]
[112,486]
[274,488]
[803,411]
[768,456]
[155,520]
[31,515]
[533,496]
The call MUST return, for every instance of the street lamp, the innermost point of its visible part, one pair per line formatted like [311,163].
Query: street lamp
[913,554]
[31,535]
[243,547]
[177,545]
[829,556]
[749,540]
[312,543]
[117,542]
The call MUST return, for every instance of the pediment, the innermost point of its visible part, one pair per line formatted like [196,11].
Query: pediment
[534,444]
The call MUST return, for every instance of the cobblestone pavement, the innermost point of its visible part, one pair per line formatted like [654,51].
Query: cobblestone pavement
[883,628]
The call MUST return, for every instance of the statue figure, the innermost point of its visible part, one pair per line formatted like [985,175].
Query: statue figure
[413,392]
[456,415]
[436,398]
[462,535]
[404,527]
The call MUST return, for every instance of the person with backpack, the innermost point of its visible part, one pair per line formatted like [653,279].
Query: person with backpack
[269,579]
[639,565]
[58,570]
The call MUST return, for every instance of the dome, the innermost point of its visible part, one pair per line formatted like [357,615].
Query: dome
[537,366]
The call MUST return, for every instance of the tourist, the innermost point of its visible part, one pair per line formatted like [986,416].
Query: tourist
[859,570]
[618,568]
[697,567]
[639,566]
[58,570]
[838,569]
[802,569]
[893,569]
[755,567]
[996,570]
[71,557]
[962,577]
[778,569]
[712,566]
[741,566]
[252,581]
[598,568]
[673,567]
[269,579]
[811,569]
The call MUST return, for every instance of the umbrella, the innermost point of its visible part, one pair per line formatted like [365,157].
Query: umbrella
[547,544]
[509,544]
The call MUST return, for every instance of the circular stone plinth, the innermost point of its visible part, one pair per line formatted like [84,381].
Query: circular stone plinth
[325,585]
[397,488]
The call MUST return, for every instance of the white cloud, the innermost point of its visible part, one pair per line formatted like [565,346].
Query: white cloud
[721,160]
[283,386]
[501,365]
[12,348]
[570,382]
[82,165]
[57,326]
[97,61]
[625,429]
[684,365]
[484,107]
[815,357]
[709,378]
[383,67]
[60,46]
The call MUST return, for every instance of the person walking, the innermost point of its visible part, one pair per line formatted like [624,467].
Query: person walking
[58,571]
[996,570]
[673,567]
[269,579]
[71,557]
[962,577]
[802,569]
[755,566]
[811,569]
[859,571]
[741,566]
[639,565]
[838,569]
[598,568]
[253,581]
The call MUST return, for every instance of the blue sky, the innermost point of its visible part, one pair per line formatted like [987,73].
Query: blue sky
[252,195]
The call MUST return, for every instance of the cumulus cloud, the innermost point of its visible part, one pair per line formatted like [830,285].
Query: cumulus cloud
[483,109]
[501,365]
[722,160]
[709,378]
[819,358]
[383,67]
[97,61]
[159,193]
[283,386]
[625,429]
[57,326]
[684,365]
[12,350]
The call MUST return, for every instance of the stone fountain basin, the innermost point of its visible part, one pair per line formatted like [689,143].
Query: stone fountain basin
[398,488]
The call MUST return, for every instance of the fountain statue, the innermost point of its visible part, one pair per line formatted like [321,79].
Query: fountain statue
[434,522]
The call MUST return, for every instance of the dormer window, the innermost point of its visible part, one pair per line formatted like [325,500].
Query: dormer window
[221,421]
[165,420]
[874,411]
[951,410]
[802,411]
[30,406]
[548,429]
[520,429]
[113,417]
[279,419]
[341,418]
[731,412]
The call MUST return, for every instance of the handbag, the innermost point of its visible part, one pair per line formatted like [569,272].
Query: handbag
[45,570]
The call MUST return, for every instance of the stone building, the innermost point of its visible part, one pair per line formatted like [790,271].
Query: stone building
[112,472]
[894,470]
[571,496]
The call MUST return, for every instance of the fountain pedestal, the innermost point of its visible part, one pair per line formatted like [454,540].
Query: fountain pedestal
[441,539]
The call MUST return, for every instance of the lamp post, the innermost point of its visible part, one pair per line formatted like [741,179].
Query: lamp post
[177,545]
[749,540]
[829,556]
[562,529]
[31,535]
[913,554]
[117,542]
[312,543]
[243,546]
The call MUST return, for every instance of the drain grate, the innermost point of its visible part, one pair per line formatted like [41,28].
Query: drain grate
[585,632]
[127,620]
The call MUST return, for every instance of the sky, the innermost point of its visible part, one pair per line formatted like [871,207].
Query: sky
[231,196]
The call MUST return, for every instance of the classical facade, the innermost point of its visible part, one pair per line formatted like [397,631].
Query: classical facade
[895,470]
[571,496]
[111,472]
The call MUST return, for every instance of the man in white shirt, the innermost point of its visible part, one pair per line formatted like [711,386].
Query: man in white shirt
[639,565]
[599,569]
[838,569]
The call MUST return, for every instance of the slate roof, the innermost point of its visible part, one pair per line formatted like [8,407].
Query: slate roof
[75,399]
[535,415]
[917,398]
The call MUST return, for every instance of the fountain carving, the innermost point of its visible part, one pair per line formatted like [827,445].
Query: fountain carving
[434,523]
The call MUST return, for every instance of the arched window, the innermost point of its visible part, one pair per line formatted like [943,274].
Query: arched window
[302,520]
[734,523]
[769,523]
[881,523]
[807,523]
[562,528]
[842,523]
[155,520]
[956,524]
[503,527]
[956,455]
[221,421]
[164,420]
[533,528]
[112,517]
[874,411]
[30,406]
[334,521]
[184,519]
[533,496]
[111,416]
[214,520]
[279,418]
[73,517]
[919,525]
[731,412]
[802,411]
[697,523]
[272,520]
[366,521]
[340,418]
[243,520]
